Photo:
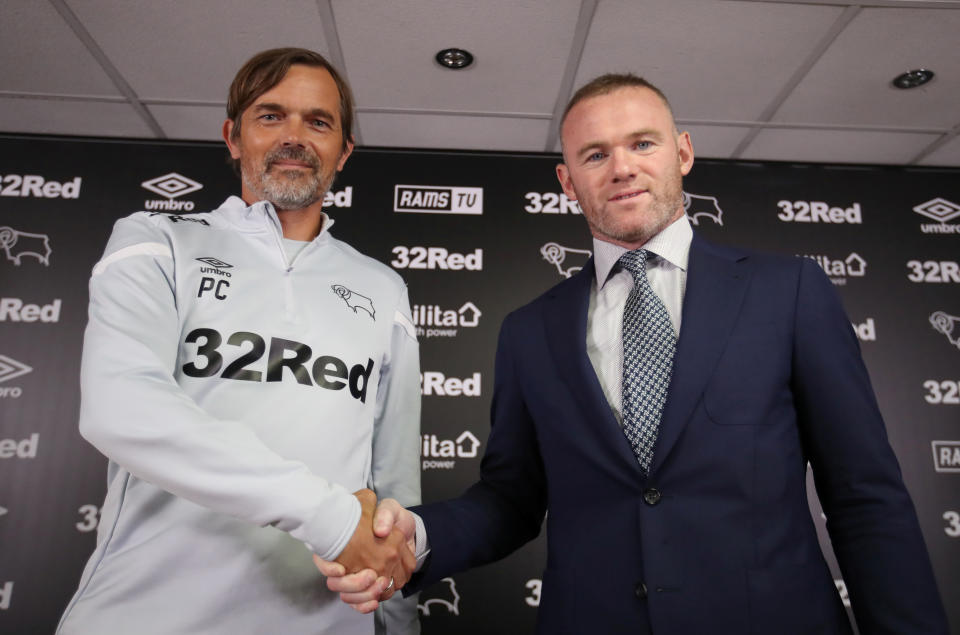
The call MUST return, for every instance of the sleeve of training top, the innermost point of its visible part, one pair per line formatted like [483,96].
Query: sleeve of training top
[396,447]
[134,412]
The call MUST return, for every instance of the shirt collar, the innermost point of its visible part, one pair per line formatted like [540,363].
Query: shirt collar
[672,244]
[251,216]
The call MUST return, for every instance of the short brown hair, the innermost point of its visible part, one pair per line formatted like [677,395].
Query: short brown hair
[608,83]
[265,70]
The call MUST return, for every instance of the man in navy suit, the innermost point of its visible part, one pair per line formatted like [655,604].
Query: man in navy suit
[694,520]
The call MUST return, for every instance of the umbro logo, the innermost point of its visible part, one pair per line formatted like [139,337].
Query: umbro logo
[939,209]
[11,368]
[215,262]
[354,300]
[171,185]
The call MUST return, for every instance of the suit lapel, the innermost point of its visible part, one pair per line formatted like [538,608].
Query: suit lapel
[716,284]
[565,320]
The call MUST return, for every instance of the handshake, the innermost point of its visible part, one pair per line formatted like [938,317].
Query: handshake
[378,560]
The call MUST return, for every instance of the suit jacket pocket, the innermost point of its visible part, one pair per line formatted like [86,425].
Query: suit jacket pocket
[751,381]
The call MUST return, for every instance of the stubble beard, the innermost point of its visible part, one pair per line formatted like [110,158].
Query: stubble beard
[288,189]
[639,227]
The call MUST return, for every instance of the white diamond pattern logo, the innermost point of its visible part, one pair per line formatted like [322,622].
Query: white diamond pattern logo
[171,185]
[11,368]
[938,209]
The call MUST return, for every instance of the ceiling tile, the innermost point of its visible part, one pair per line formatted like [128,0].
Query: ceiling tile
[41,54]
[520,50]
[45,116]
[837,146]
[453,132]
[947,154]
[713,59]
[851,82]
[714,142]
[192,50]
[190,122]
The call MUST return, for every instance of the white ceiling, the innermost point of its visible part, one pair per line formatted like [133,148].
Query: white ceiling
[751,79]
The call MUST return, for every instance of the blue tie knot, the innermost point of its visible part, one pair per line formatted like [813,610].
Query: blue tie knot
[636,263]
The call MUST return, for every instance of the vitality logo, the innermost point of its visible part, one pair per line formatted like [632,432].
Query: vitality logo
[432,199]
[853,266]
[941,210]
[18,245]
[170,186]
[441,322]
[440,453]
[558,256]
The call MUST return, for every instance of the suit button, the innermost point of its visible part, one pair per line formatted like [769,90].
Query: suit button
[651,495]
[641,590]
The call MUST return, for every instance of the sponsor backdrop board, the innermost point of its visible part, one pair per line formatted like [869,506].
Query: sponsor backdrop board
[475,235]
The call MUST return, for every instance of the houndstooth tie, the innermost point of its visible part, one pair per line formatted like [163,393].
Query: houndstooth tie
[648,347]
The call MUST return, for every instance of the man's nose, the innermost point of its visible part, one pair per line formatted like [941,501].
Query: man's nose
[293,132]
[623,165]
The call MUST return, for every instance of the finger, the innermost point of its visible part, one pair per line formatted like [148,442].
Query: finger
[366,607]
[371,592]
[386,517]
[328,568]
[355,583]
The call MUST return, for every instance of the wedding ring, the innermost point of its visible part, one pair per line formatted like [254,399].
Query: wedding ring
[389,586]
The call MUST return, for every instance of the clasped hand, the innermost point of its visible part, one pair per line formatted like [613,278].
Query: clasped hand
[381,549]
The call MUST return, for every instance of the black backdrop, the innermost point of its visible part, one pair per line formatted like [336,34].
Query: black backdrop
[481,234]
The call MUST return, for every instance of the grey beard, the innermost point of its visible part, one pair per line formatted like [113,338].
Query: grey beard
[293,193]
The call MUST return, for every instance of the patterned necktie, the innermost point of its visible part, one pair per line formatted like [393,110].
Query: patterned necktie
[648,347]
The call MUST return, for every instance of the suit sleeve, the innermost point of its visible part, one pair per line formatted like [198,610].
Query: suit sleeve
[505,508]
[870,518]
[133,411]
[396,447]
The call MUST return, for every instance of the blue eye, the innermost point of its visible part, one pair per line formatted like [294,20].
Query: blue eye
[596,156]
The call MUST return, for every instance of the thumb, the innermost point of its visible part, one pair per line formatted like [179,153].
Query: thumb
[385,518]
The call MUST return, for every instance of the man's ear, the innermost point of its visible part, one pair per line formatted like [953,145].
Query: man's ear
[685,153]
[228,137]
[563,175]
[345,155]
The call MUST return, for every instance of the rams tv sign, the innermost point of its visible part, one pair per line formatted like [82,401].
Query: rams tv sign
[432,199]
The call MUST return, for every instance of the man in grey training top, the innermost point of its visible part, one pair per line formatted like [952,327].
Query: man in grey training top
[241,393]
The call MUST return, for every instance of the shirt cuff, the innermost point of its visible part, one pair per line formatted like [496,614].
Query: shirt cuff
[421,544]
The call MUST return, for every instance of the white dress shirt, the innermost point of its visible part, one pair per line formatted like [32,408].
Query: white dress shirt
[667,273]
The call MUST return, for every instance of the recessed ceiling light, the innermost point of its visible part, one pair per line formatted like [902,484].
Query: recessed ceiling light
[454,58]
[914,78]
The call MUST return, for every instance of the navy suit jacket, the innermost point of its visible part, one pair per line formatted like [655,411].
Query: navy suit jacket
[719,537]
